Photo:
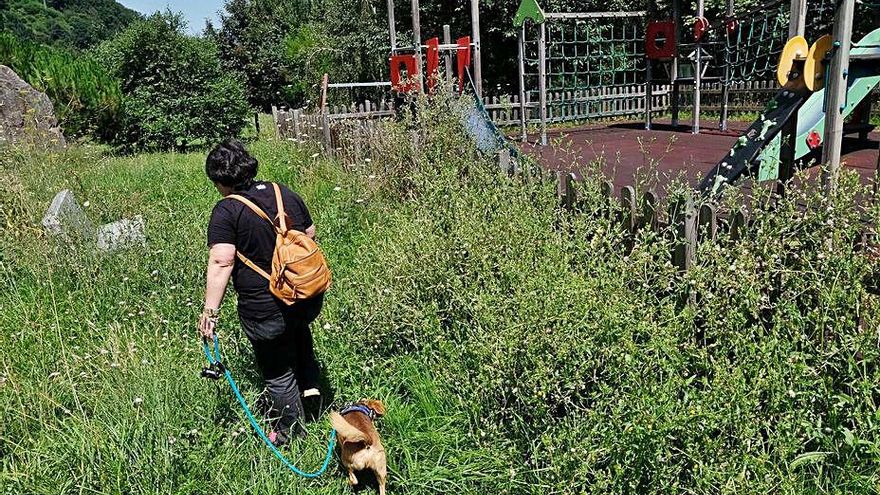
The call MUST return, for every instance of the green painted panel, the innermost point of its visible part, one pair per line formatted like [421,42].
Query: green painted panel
[529,9]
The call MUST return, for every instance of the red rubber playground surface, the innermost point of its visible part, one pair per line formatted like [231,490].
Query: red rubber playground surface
[624,148]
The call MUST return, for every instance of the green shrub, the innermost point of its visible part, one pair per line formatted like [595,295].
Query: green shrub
[176,92]
[86,97]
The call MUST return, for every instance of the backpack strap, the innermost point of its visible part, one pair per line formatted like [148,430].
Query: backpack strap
[282,223]
[250,204]
[259,211]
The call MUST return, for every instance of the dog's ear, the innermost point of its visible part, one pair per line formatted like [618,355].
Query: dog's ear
[375,405]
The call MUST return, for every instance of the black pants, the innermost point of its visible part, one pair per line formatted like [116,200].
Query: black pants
[285,354]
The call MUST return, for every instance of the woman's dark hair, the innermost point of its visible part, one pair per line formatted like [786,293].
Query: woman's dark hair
[230,164]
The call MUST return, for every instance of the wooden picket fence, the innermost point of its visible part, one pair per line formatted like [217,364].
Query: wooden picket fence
[626,101]
[689,221]
[603,102]
[344,132]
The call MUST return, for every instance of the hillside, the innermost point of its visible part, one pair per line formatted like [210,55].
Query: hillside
[69,23]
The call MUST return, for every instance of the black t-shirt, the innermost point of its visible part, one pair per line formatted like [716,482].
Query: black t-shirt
[234,223]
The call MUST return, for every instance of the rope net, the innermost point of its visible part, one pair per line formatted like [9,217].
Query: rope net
[586,59]
[751,51]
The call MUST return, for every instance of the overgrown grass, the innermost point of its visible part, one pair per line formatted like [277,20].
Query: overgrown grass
[519,349]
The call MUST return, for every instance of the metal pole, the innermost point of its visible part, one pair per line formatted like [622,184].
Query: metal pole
[447,55]
[798,20]
[725,84]
[392,29]
[698,73]
[478,64]
[542,81]
[836,93]
[417,39]
[676,18]
[522,82]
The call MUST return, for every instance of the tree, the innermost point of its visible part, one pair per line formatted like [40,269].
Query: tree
[65,23]
[251,44]
[347,39]
[176,92]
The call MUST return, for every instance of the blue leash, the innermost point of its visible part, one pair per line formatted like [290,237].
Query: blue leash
[214,361]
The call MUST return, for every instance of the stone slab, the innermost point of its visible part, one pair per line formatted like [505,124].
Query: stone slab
[66,219]
[125,233]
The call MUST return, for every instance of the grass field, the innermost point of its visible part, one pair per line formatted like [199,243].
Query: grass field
[517,350]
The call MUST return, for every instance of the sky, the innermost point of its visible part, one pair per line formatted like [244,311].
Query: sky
[194,11]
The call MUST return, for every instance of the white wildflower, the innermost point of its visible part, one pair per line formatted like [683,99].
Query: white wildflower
[138,400]
[337,188]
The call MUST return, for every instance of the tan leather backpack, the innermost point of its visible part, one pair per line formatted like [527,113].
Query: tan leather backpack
[299,269]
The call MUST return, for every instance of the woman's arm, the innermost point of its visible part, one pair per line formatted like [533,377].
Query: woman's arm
[311,231]
[220,262]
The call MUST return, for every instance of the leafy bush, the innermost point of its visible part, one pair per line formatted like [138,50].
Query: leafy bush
[176,92]
[86,97]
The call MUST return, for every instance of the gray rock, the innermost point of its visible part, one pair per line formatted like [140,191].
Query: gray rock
[122,234]
[26,115]
[67,220]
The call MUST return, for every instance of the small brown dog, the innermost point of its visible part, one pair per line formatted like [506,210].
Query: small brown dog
[359,440]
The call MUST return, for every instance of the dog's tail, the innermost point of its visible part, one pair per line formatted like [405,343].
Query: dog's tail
[349,433]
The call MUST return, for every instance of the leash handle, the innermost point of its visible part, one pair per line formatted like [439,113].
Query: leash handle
[213,357]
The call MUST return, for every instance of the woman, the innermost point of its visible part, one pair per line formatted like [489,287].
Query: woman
[280,334]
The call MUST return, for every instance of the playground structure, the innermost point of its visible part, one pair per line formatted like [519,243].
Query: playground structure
[632,55]
[414,68]
[583,66]
[821,85]
[589,54]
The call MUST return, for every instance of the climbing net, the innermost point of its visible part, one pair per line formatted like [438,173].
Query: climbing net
[585,58]
[751,49]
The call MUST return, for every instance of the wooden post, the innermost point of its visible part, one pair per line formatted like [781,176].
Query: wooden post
[392,28]
[836,95]
[275,121]
[475,38]
[542,81]
[788,144]
[504,161]
[325,81]
[698,73]
[649,74]
[676,18]
[522,83]
[798,21]
[325,119]
[725,85]
[447,54]
[877,177]
[417,39]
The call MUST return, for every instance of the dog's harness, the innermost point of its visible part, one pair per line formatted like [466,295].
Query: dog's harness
[350,408]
